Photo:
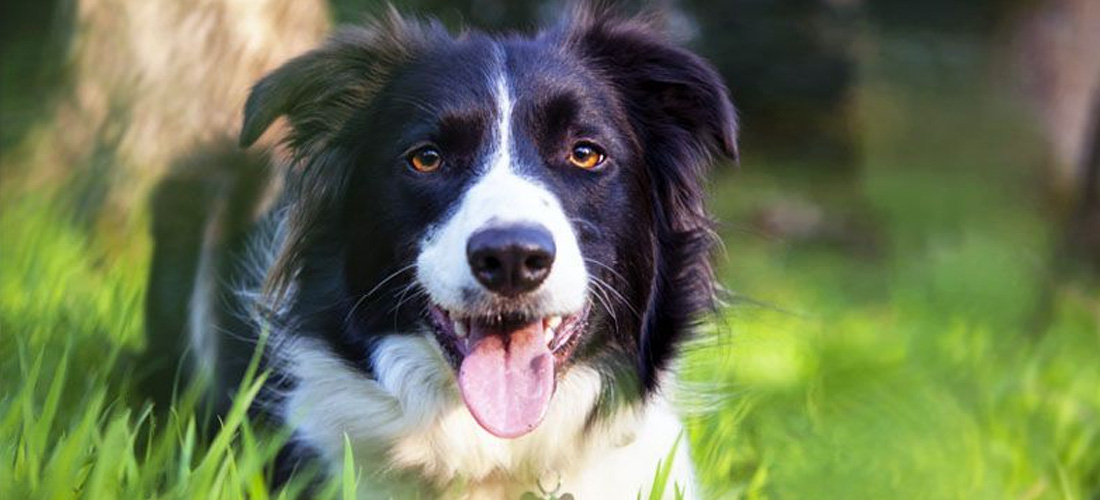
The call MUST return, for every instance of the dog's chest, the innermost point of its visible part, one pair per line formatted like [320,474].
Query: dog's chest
[408,424]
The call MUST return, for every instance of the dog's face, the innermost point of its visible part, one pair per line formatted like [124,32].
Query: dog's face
[529,203]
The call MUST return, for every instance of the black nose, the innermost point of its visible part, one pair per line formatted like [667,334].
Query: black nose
[511,260]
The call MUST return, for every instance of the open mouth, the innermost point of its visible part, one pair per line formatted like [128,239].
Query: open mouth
[508,364]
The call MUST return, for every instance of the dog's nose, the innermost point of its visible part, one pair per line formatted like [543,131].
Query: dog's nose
[511,260]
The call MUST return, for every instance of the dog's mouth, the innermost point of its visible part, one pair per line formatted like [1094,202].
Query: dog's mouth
[508,364]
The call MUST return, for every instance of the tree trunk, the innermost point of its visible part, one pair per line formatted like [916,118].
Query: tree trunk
[150,80]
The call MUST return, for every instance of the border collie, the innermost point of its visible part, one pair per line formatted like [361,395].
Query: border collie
[485,254]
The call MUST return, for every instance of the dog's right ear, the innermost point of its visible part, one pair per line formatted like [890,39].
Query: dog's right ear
[319,90]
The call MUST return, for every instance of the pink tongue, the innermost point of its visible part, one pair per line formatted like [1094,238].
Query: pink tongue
[508,387]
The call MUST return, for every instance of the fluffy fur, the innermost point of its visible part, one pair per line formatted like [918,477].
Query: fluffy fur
[349,269]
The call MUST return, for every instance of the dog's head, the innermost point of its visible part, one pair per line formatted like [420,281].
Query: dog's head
[532,203]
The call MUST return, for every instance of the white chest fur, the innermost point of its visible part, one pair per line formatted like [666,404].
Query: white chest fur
[410,421]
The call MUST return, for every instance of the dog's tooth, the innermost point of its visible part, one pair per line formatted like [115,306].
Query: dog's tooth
[460,329]
[548,335]
[553,321]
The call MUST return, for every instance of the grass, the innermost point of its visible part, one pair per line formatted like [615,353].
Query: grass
[944,360]
[947,361]
[919,373]
[930,372]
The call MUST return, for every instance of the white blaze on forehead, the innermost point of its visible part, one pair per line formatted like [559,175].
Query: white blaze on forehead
[500,196]
[501,157]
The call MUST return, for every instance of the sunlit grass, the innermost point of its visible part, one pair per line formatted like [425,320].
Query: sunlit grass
[949,362]
[945,362]
[69,425]
[937,387]
[950,381]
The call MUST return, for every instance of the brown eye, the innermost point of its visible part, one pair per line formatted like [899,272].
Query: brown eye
[425,159]
[586,155]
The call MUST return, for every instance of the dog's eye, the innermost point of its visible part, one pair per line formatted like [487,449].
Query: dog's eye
[586,155]
[425,159]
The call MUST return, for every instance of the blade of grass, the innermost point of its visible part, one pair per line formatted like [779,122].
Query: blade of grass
[664,470]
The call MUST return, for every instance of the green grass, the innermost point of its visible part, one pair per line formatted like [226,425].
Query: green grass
[69,425]
[933,371]
[946,361]
[926,371]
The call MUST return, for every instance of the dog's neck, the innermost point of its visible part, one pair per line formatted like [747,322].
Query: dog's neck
[409,418]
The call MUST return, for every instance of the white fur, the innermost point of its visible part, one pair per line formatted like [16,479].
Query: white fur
[202,333]
[410,419]
[202,341]
[500,196]
[407,426]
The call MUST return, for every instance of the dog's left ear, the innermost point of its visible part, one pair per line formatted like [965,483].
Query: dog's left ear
[681,112]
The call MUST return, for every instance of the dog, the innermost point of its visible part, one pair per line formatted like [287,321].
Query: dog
[483,257]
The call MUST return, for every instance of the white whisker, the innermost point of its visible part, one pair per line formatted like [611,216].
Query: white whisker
[375,289]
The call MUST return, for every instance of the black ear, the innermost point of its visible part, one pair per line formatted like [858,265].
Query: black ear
[682,114]
[668,88]
[319,90]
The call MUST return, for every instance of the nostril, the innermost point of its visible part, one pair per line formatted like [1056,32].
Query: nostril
[489,263]
[538,262]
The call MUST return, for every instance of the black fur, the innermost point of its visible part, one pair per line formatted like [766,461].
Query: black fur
[355,212]
[207,207]
[681,113]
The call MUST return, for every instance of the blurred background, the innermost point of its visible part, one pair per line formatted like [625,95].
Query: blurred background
[912,239]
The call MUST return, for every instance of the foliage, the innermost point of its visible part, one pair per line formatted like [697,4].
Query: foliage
[944,360]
